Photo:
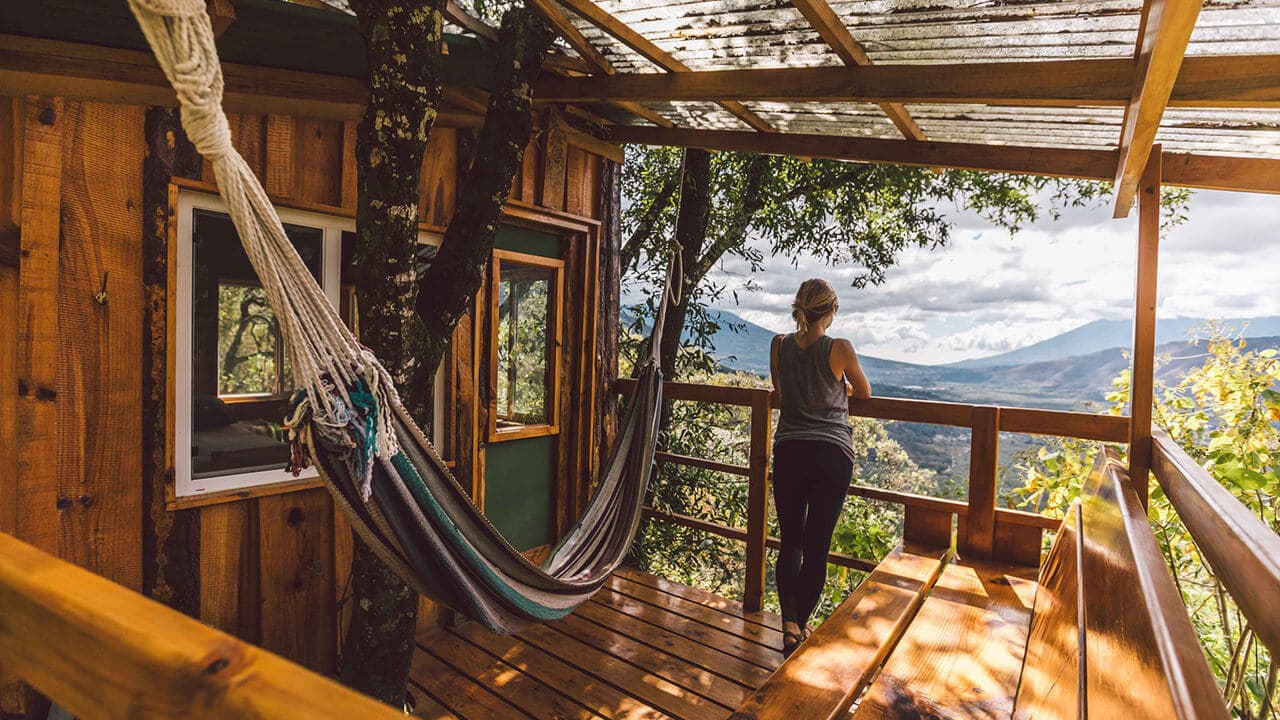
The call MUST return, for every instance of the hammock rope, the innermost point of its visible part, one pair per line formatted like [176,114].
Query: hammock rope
[348,421]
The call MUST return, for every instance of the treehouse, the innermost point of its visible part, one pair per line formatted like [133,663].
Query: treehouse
[157,560]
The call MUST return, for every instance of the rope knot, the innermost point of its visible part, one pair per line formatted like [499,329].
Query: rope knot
[208,130]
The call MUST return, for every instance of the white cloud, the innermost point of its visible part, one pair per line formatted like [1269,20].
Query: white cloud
[988,292]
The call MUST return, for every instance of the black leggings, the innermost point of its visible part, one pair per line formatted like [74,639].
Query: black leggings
[810,481]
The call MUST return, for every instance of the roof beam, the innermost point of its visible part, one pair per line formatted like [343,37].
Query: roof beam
[597,16]
[833,31]
[1227,81]
[1188,170]
[598,62]
[1162,41]
[456,14]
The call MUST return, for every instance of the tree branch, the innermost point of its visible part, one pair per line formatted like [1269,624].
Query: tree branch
[649,220]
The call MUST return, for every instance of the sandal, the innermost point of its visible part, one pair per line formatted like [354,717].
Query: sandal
[791,641]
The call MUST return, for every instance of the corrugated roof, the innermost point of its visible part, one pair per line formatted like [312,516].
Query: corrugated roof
[738,34]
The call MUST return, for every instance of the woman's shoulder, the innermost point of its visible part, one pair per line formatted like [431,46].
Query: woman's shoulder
[842,346]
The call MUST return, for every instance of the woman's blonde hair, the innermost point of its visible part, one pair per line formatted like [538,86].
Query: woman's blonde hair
[815,300]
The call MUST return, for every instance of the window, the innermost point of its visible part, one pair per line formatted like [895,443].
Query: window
[525,344]
[233,379]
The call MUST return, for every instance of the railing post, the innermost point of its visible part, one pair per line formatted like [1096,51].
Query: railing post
[758,501]
[978,538]
[1142,379]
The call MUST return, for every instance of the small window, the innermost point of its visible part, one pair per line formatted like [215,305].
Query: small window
[525,348]
[233,378]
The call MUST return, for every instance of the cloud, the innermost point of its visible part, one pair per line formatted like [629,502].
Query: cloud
[989,291]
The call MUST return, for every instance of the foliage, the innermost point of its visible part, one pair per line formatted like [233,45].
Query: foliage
[522,349]
[844,213]
[1226,415]
[248,343]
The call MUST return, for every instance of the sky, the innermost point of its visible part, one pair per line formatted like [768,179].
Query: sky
[987,291]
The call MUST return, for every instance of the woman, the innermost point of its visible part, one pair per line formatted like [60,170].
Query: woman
[812,451]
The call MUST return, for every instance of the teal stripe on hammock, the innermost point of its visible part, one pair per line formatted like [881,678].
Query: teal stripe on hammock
[428,503]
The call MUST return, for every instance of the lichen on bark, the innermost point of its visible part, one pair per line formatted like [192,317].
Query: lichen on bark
[405,319]
[402,43]
[448,287]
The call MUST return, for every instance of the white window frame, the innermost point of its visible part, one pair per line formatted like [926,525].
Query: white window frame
[332,226]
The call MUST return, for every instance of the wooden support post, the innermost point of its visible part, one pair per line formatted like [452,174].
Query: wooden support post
[978,538]
[1144,327]
[758,501]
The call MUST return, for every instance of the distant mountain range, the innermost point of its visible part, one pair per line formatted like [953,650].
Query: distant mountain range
[1062,372]
[1105,334]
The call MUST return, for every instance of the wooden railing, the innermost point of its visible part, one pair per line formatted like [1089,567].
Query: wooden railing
[100,650]
[984,530]
[1242,550]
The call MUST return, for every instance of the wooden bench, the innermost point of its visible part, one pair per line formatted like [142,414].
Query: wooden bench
[1099,630]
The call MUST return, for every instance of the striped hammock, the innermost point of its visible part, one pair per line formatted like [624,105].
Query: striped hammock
[348,421]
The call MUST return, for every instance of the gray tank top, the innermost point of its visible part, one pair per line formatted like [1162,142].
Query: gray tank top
[815,405]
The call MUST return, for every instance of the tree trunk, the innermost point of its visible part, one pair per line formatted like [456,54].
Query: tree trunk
[402,41]
[691,235]
[449,285]
[170,539]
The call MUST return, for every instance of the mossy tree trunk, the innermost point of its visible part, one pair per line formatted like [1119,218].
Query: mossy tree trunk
[403,43]
[691,235]
[447,288]
[406,320]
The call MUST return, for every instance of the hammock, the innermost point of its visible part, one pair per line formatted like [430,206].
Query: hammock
[347,419]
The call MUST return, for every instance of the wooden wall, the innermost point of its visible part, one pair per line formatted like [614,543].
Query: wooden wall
[269,569]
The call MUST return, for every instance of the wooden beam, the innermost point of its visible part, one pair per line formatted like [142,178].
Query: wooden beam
[142,649]
[597,16]
[573,36]
[1090,164]
[757,504]
[833,31]
[53,68]
[1162,41]
[1144,327]
[1260,175]
[1229,81]
[456,14]
[221,15]
[976,536]
[1242,550]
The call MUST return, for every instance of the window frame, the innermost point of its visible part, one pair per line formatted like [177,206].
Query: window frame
[554,349]
[233,486]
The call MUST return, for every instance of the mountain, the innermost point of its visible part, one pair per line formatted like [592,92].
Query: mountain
[1073,372]
[1106,334]
[747,349]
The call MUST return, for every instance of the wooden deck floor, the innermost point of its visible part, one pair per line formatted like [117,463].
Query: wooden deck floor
[643,647]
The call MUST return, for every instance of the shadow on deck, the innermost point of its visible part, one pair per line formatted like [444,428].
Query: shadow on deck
[643,647]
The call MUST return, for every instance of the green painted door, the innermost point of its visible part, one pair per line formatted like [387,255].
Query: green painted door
[519,484]
[520,473]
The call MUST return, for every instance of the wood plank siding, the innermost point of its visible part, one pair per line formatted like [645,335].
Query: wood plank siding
[74,426]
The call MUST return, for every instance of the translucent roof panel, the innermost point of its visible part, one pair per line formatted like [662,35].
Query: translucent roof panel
[703,115]
[735,34]
[848,119]
[1086,128]
[1221,131]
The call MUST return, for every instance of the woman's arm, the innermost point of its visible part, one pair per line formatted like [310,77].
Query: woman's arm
[773,360]
[845,361]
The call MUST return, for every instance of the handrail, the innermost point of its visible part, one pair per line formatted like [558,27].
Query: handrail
[1243,552]
[981,520]
[101,650]
[1032,421]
